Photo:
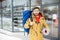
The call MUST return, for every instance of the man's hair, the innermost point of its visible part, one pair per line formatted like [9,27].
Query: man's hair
[36,8]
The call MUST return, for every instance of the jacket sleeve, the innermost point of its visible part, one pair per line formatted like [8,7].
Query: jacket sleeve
[44,23]
[27,24]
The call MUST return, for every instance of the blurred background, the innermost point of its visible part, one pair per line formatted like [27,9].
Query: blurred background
[11,16]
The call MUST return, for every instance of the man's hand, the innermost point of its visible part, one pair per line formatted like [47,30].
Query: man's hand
[45,31]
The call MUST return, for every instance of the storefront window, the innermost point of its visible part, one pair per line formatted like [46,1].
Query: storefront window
[18,7]
[13,21]
[50,10]
[49,1]
[51,16]
[6,15]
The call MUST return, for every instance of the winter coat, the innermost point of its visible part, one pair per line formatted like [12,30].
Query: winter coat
[35,30]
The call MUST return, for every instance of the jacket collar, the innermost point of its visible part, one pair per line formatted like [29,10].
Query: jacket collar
[33,17]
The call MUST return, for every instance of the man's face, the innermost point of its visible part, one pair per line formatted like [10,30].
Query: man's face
[36,11]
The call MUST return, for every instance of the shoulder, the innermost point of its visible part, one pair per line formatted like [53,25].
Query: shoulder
[42,18]
[28,19]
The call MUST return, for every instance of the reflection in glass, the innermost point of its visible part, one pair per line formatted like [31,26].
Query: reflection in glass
[51,16]
[7,19]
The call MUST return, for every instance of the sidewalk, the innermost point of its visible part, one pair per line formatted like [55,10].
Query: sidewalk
[6,37]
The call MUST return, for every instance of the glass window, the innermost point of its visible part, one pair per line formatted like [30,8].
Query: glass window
[18,7]
[49,1]
[7,18]
[51,16]
[50,10]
